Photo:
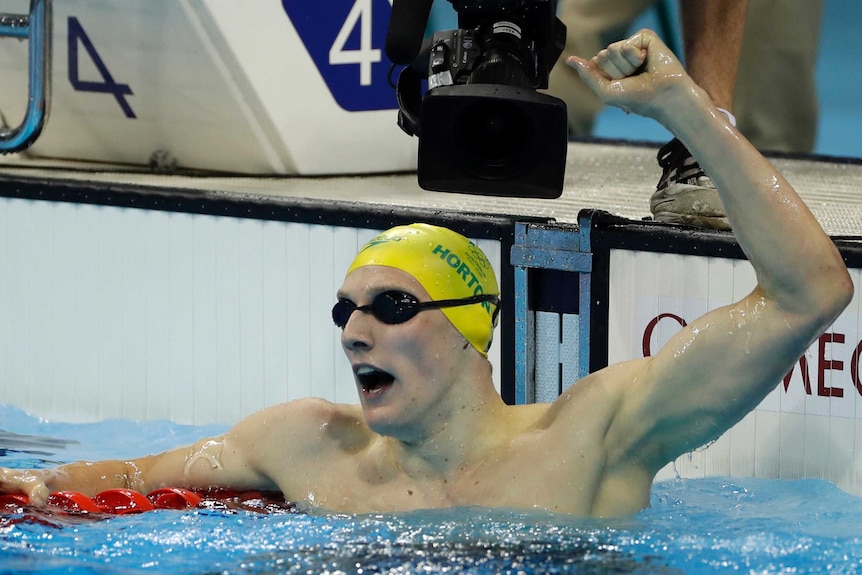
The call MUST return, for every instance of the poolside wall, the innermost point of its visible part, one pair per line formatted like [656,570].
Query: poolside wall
[113,312]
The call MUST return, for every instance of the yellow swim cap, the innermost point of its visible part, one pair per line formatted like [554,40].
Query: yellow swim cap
[448,265]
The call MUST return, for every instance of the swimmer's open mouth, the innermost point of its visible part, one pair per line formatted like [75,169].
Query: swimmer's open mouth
[373,380]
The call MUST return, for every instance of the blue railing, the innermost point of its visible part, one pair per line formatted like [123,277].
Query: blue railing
[36,28]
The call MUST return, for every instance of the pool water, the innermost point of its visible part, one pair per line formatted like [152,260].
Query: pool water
[717,525]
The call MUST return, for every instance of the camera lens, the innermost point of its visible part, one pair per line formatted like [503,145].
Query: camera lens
[492,133]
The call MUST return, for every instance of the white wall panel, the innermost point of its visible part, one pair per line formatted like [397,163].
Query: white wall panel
[205,319]
[41,231]
[16,328]
[792,444]
[181,319]
[767,443]
[115,312]
[547,351]
[321,250]
[274,318]
[252,377]
[299,324]
[132,299]
[743,446]
[842,450]
[157,324]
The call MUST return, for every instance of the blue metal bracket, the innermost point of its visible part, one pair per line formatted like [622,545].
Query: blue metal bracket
[585,296]
[35,27]
[549,247]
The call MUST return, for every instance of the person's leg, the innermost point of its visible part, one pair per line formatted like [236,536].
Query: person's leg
[712,35]
[775,102]
[712,32]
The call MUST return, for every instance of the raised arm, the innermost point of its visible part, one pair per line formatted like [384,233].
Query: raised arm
[722,365]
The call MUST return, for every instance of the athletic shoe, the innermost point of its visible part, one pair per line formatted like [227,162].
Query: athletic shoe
[685,194]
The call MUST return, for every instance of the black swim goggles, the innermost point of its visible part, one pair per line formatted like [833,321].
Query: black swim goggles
[393,307]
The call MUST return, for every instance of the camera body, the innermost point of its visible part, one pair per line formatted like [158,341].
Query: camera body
[483,128]
[510,42]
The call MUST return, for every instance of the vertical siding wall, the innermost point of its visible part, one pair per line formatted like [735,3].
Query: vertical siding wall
[116,312]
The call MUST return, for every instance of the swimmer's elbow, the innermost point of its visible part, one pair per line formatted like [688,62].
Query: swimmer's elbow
[817,298]
[836,294]
[185,466]
[846,287]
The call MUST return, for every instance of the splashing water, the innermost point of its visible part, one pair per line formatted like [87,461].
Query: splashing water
[715,525]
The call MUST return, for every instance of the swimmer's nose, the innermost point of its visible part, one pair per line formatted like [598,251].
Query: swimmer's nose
[356,335]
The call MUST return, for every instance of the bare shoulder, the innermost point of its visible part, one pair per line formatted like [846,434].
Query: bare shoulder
[308,410]
[590,410]
[579,427]
[307,426]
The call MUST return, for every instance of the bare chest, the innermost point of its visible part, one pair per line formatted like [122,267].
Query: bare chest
[528,474]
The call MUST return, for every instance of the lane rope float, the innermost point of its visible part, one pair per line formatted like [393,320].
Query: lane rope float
[125,501]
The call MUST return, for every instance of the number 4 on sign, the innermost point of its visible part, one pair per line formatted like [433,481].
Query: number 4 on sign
[77,37]
[365,56]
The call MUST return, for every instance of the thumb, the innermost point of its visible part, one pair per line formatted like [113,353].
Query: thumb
[38,493]
[590,75]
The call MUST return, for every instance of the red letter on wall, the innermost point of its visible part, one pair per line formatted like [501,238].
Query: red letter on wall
[647,339]
[825,364]
[803,370]
[854,367]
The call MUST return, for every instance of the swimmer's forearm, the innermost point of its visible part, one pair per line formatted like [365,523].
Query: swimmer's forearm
[202,465]
[85,477]
[169,469]
[92,477]
[145,474]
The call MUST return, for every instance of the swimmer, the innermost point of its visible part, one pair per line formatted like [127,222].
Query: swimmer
[417,310]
